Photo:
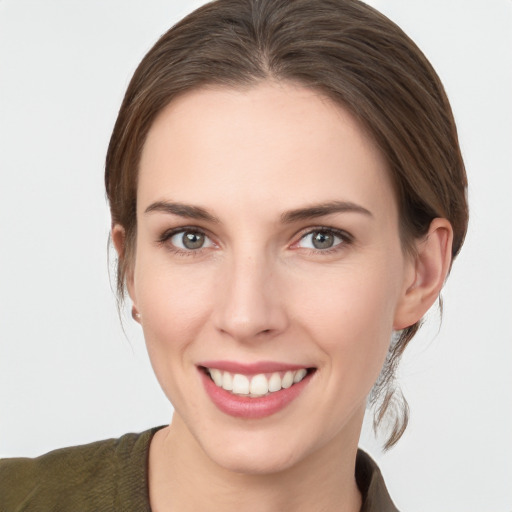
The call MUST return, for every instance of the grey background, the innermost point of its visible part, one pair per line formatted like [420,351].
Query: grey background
[69,375]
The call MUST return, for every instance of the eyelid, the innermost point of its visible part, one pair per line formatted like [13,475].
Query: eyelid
[169,233]
[346,238]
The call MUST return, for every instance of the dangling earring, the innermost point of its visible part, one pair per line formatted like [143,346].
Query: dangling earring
[135,314]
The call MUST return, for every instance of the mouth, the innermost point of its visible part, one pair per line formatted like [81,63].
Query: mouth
[253,391]
[256,386]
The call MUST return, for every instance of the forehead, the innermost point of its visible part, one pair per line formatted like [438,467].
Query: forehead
[274,143]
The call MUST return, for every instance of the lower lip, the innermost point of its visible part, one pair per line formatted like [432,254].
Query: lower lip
[241,406]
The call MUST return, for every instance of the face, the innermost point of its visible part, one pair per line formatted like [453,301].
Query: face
[268,260]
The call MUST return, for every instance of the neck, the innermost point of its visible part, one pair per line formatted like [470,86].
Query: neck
[178,467]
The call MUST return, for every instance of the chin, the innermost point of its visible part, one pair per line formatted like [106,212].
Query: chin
[257,452]
[250,460]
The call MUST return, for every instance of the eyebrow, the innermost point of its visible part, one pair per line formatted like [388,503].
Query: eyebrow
[310,212]
[182,210]
[320,210]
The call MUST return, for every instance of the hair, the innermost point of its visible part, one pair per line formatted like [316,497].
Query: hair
[350,53]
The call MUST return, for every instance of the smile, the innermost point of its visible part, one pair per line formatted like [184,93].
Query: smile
[253,391]
[257,385]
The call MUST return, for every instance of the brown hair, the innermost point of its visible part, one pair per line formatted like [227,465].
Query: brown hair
[352,54]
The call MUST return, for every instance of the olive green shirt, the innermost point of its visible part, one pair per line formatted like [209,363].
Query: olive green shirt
[112,475]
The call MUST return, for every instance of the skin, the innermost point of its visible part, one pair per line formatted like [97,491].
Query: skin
[259,291]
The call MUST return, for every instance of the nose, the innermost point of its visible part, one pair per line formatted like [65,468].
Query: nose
[250,305]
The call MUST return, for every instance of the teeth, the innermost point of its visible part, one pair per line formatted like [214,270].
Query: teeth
[216,376]
[287,380]
[299,375]
[274,384]
[227,381]
[258,385]
[240,384]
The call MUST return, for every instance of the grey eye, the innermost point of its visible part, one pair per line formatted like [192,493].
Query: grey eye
[190,240]
[320,240]
[193,240]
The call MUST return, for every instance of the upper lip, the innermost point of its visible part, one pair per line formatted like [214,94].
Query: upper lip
[252,368]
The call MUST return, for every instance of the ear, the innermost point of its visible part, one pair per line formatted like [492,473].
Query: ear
[430,265]
[118,234]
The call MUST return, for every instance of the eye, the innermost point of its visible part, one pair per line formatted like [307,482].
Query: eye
[190,240]
[322,239]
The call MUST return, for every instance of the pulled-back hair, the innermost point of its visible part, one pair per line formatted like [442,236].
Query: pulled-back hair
[353,55]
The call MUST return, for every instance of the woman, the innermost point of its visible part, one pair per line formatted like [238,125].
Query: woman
[287,195]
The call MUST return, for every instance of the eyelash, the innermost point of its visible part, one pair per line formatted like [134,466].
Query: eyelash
[346,239]
[167,235]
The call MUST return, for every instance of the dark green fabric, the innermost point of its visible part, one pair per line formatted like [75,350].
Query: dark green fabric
[371,484]
[112,475]
[102,477]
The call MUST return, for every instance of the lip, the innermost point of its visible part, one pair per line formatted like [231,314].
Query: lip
[240,406]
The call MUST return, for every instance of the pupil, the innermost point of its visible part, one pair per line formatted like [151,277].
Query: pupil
[193,240]
[322,240]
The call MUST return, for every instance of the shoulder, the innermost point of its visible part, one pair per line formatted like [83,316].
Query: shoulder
[371,484]
[95,476]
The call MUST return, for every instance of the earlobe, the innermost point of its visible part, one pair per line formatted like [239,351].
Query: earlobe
[431,264]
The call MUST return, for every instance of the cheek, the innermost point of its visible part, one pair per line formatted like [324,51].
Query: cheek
[174,302]
[350,314]
[174,305]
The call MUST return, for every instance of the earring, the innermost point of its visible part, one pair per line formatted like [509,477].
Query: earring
[135,314]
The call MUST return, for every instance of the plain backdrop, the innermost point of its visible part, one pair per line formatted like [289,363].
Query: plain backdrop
[70,375]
